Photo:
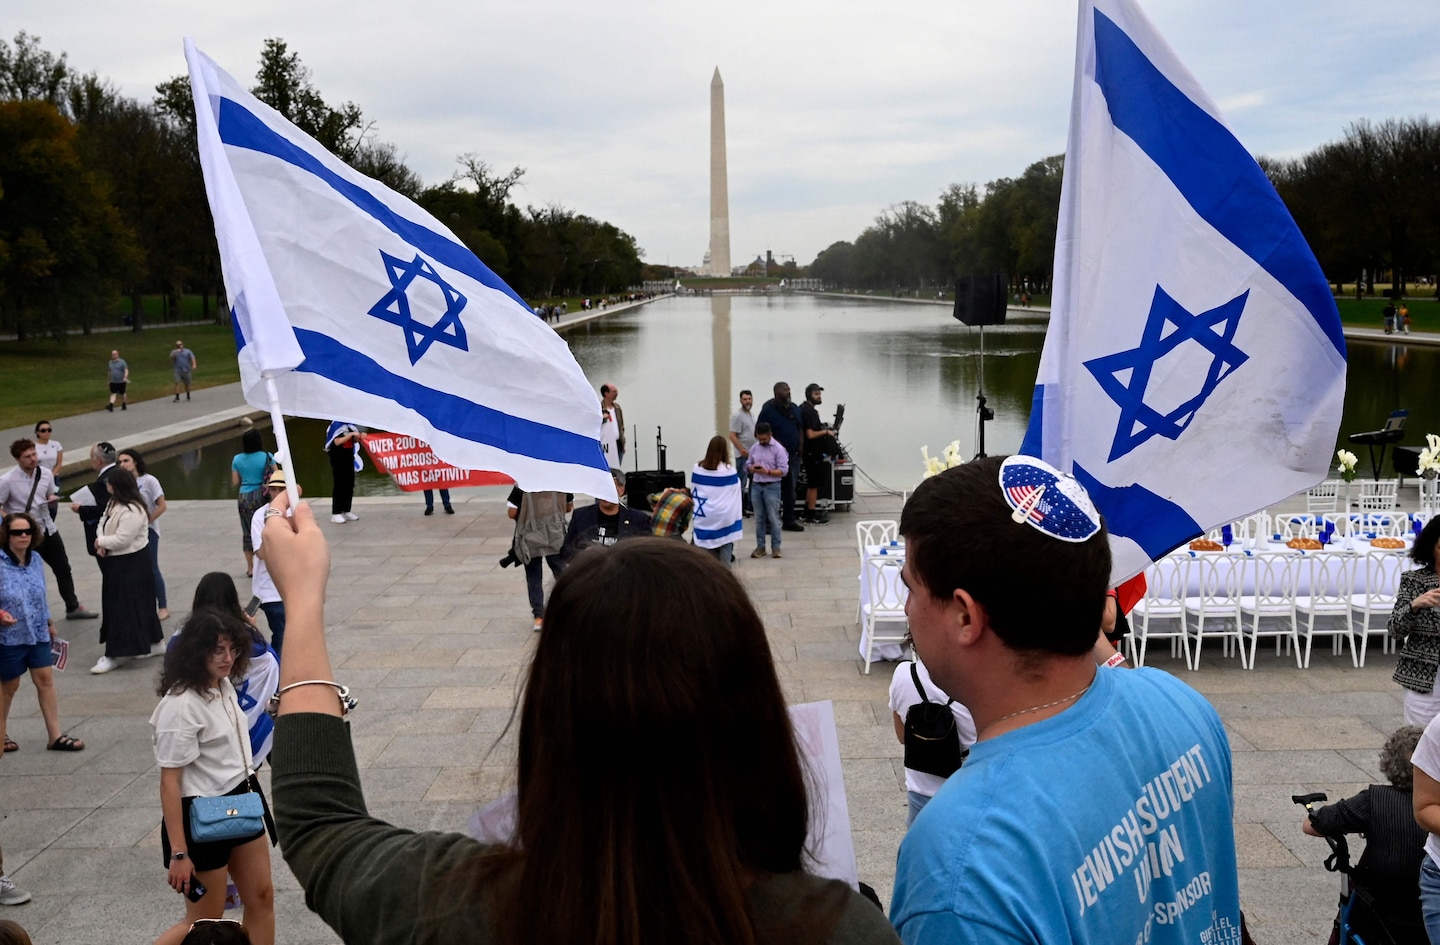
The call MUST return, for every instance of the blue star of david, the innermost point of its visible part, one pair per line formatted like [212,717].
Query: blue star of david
[1214,330]
[700,501]
[394,307]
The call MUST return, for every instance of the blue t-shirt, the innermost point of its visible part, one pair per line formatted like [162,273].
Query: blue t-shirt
[250,466]
[1107,824]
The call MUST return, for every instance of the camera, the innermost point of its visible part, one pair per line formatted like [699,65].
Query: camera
[509,561]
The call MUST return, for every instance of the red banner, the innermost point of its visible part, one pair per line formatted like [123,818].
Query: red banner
[414,467]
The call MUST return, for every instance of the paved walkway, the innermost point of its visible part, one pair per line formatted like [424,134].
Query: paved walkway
[434,637]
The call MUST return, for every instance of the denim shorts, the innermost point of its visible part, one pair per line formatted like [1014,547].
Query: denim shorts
[15,660]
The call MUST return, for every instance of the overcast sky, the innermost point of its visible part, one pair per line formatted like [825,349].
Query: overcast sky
[836,109]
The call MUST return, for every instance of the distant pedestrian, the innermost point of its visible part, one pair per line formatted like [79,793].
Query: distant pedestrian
[715,487]
[1404,318]
[29,488]
[612,426]
[539,537]
[51,455]
[784,418]
[247,473]
[119,378]
[342,445]
[444,501]
[769,462]
[154,495]
[742,437]
[129,626]
[182,363]
[1389,313]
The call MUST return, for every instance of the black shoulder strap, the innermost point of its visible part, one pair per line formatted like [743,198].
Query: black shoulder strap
[915,675]
[35,484]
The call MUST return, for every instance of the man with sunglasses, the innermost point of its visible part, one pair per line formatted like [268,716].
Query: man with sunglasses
[30,487]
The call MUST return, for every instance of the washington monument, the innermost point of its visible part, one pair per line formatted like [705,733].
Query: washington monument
[719,190]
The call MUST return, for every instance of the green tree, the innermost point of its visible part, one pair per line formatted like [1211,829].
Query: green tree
[29,73]
[283,83]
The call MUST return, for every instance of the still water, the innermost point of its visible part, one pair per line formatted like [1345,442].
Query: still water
[907,374]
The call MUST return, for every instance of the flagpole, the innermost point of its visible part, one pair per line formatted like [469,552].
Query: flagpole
[282,441]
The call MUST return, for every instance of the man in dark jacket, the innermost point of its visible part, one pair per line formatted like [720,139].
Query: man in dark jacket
[605,523]
[784,419]
[89,502]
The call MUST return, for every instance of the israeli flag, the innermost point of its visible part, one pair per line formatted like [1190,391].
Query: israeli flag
[361,306]
[1194,368]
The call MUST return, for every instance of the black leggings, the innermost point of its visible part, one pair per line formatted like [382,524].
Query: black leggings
[342,468]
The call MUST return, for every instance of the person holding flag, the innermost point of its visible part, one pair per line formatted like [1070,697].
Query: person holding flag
[342,445]
[1194,366]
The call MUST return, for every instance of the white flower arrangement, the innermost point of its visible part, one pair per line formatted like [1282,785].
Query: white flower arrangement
[1347,464]
[1430,457]
[948,459]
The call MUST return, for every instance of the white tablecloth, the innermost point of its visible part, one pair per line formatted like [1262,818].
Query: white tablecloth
[1234,555]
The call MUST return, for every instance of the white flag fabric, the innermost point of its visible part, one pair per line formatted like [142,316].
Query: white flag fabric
[1194,368]
[361,306]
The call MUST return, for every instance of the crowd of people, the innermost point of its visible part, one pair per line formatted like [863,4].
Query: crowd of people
[661,793]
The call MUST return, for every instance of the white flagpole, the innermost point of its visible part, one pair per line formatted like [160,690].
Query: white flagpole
[282,441]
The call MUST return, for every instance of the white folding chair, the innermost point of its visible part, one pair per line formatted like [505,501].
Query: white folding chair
[1326,593]
[882,606]
[1298,526]
[1324,497]
[1377,495]
[1382,579]
[1217,579]
[1380,524]
[1164,601]
[1254,528]
[1267,609]
[880,531]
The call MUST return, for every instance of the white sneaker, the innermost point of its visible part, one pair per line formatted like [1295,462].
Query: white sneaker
[351,517]
[157,650]
[106,664]
[10,894]
[338,519]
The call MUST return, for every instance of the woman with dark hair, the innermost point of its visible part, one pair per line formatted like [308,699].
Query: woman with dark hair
[51,453]
[661,797]
[715,487]
[1415,626]
[154,495]
[26,628]
[1394,843]
[202,752]
[216,592]
[247,473]
[129,626]
[216,932]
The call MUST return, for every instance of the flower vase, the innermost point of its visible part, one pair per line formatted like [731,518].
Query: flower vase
[1345,508]
[1429,486]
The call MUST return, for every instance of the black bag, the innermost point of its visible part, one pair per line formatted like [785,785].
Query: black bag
[932,740]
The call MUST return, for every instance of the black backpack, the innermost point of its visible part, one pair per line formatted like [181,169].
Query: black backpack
[932,739]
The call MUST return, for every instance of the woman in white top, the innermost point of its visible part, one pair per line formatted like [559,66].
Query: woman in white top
[715,486]
[154,495]
[919,786]
[51,455]
[129,626]
[202,752]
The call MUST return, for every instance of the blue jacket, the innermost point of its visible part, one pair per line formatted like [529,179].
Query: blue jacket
[784,424]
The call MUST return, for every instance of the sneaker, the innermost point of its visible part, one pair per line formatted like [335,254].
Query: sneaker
[351,517]
[10,894]
[80,613]
[429,510]
[758,553]
[105,664]
[449,510]
[157,649]
[820,517]
[776,554]
[337,519]
[792,527]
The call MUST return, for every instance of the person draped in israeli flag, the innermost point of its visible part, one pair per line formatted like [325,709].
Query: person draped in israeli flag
[715,487]
[1194,368]
[349,301]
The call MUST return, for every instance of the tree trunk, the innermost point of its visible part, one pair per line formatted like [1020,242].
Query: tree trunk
[137,310]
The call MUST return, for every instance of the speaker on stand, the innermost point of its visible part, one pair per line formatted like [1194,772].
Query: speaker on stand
[980,300]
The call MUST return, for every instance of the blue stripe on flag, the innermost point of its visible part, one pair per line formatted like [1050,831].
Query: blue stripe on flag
[1211,169]
[1034,441]
[699,479]
[243,129]
[448,413]
[1151,521]
[710,534]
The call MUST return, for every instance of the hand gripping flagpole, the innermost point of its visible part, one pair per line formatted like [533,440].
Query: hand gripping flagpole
[282,441]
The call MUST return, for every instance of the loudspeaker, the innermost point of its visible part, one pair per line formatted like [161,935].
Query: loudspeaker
[980,298]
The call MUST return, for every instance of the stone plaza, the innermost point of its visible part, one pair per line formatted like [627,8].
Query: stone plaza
[434,637]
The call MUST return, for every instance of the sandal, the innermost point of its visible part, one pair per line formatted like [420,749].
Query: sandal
[10,745]
[66,743]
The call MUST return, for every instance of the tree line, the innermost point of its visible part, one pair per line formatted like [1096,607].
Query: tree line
[1368,203]
[101,197]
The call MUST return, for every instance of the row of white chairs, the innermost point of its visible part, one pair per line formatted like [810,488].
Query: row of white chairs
[1369,495]
[1286,526]
[1241,599]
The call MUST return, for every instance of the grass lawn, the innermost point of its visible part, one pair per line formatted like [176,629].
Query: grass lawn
[49,379]
[1369,313]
